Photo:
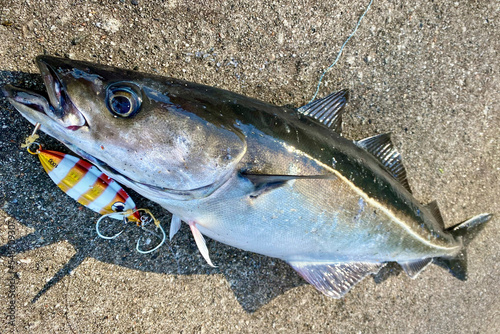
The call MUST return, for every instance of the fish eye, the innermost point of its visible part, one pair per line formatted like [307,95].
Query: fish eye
[123,100]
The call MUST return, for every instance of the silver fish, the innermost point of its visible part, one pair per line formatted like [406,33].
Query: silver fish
[267,179]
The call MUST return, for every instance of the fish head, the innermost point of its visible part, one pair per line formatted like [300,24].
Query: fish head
[138,127]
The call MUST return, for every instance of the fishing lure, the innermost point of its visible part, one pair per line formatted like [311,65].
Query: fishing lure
[91,188]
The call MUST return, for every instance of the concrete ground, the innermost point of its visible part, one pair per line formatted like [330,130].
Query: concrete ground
[426,71]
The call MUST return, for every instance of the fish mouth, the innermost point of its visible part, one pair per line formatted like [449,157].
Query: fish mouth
[60,118]
[55,105]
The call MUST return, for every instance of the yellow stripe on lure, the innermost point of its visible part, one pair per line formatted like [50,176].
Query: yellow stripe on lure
[92,188]
[87,185]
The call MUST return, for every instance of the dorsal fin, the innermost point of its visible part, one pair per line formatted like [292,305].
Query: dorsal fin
[381,147]
[434,210]
[328,110]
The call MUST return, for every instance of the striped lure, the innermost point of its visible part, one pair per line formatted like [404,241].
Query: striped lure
[87,185]
[90,187]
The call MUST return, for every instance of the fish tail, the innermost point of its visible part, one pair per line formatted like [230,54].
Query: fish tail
[465,231]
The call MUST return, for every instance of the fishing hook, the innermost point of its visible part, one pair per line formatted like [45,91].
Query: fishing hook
[102,235]
[158,246]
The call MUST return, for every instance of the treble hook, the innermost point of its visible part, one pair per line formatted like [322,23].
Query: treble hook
[144,220]
[102,235]
[158,246]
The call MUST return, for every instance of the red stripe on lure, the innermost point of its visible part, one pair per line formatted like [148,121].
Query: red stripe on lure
[87,185]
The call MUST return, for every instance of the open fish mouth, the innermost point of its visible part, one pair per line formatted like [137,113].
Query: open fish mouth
[55,106]
[60,118]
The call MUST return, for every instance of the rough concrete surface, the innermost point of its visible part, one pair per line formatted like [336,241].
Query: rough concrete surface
[426,71]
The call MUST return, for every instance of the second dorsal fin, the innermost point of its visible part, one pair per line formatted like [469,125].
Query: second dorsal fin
[381,147]
[328,110]
[434,209]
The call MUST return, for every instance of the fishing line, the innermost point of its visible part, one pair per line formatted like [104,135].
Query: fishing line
[340,52]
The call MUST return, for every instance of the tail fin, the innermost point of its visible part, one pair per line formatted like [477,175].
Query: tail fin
[466,231]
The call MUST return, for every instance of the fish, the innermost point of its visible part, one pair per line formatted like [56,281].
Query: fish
[273,180]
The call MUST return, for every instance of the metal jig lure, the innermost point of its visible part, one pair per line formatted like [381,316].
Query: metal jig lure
[92,188]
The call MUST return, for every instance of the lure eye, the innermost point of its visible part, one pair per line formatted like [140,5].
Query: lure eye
[118,207]
[123,100]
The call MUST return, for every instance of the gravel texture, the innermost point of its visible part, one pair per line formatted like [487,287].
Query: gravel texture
[426,71]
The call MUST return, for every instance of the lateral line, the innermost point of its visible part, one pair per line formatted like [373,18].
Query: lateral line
[374,203]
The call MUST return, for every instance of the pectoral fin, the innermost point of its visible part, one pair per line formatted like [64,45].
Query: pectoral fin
[266,182]
[200,242]
[175,225]
[335,279]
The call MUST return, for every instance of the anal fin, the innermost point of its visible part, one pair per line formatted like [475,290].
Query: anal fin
[200,242]
[335,279]
[413,268]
